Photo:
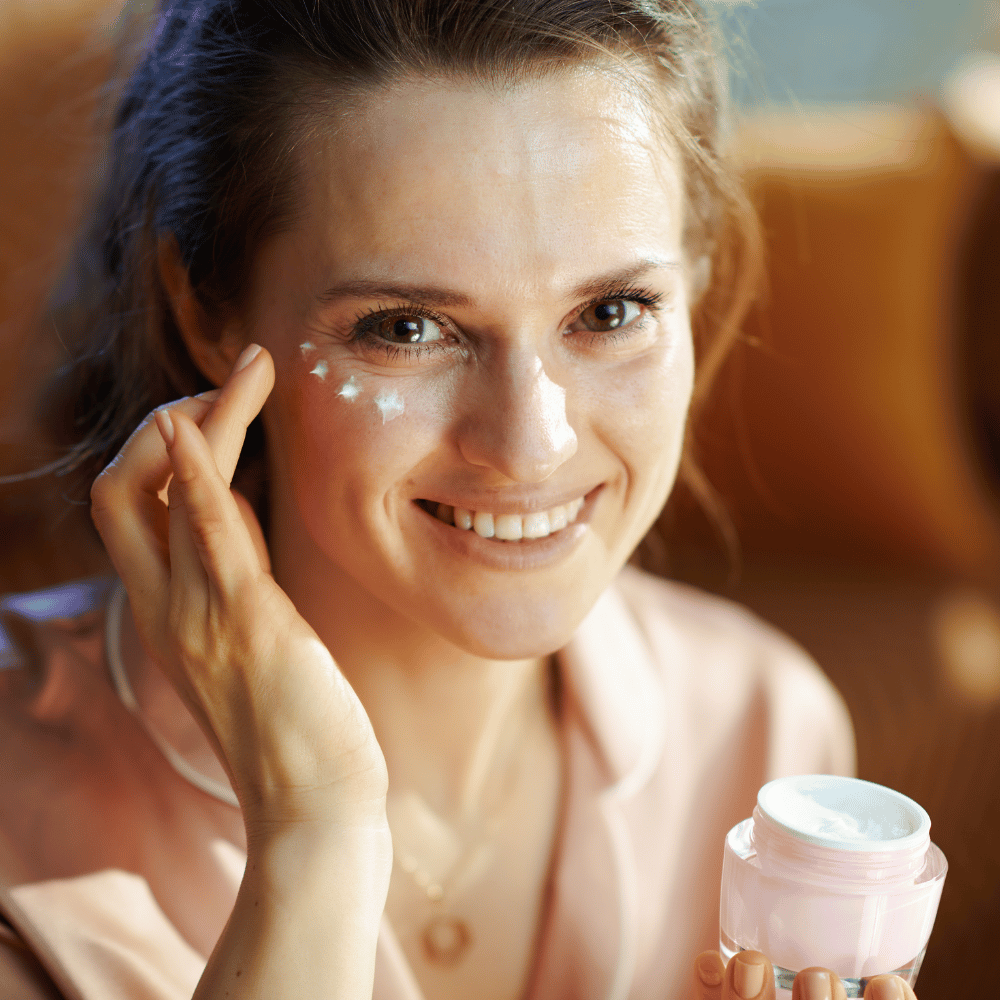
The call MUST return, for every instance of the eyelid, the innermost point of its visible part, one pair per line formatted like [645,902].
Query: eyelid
[629,293]
[367,319]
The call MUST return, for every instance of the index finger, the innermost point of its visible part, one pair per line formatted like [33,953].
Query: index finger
[248,386]
[749,976]
[142,463]
[125,504]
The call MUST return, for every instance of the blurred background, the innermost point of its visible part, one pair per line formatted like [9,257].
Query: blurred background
[853,439]
[854,436]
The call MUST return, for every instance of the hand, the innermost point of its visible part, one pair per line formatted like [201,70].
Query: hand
[750,976]
[291,733]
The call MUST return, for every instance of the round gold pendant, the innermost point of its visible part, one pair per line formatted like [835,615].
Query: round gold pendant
[446,940]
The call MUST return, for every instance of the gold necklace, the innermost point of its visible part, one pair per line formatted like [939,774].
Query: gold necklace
[444,860]
[441,863]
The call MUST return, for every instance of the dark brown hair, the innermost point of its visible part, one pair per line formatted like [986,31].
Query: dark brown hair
[201,149]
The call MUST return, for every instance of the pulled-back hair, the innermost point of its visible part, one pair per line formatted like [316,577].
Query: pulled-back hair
[201,148]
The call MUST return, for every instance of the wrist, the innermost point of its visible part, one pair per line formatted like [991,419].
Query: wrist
[285,859]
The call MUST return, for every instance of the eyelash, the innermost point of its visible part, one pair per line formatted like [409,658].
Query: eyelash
[362,329]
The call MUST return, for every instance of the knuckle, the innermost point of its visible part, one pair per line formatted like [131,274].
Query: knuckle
[101,485]
[208,531]
[190,650]
[104,500]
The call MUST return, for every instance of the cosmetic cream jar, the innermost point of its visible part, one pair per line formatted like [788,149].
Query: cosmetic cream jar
[834,872]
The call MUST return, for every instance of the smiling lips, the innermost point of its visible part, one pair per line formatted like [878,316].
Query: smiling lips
[510,527]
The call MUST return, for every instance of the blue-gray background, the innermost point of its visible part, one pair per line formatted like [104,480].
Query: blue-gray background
[848,50]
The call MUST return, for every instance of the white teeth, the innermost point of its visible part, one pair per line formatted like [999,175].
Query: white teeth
[483,524]
[509,527]
[536,525]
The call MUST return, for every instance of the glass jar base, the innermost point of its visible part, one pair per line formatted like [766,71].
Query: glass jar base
[783,978]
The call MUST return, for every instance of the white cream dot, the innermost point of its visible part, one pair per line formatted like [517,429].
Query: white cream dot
[320,370]
[389,405]
[350,390]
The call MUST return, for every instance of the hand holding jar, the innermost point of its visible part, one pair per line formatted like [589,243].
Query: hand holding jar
[832,876]
[750,976]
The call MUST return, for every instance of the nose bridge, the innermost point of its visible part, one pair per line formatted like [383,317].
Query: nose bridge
[521,426]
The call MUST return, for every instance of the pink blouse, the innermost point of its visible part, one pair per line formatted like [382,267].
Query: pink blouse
[118,875]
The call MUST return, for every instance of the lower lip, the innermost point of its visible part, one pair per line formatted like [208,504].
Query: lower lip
[527,554]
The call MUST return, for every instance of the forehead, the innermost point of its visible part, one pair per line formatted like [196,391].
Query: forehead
[543,181]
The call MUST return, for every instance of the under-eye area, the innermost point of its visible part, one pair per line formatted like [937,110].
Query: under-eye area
[507,527]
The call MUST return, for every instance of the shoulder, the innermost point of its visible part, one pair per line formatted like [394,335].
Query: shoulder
[34,622]
[713,630]
[734,664]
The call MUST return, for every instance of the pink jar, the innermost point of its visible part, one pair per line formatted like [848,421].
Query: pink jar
[835,872]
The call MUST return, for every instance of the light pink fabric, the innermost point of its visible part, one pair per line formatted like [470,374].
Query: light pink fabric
[678,706]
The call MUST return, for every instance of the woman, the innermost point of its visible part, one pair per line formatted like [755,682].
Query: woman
[453,253]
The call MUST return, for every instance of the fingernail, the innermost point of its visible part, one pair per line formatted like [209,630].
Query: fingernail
[246,357]
[708,971]
[211,396]
[166,425]
[812,984]
[748,976]
[885,988]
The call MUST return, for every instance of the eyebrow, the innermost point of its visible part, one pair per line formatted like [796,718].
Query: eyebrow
[594,288]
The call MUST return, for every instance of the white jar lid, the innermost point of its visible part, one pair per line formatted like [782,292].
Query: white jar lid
[846,814]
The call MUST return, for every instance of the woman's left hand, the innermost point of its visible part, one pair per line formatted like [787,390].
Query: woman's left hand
[750,976]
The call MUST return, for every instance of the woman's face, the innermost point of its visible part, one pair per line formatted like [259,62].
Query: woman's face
[482,305]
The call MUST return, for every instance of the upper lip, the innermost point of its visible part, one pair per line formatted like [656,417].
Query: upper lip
[511,502]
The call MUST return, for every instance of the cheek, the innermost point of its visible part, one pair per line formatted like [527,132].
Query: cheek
[646,406]
[351,438]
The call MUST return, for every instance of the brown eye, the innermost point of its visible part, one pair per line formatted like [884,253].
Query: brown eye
[408,330]
[610,315]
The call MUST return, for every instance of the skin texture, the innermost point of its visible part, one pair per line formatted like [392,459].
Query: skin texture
[368,651]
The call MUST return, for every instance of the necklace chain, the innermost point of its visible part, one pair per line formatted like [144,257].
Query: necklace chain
[120,681]
[443,862]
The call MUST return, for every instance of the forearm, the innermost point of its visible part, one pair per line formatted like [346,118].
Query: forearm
[306,920]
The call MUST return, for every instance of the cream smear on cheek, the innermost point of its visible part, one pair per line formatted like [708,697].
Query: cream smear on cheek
[389,404]
[321,366]
[350,390]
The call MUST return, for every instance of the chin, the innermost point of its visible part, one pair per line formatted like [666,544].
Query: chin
[506,629]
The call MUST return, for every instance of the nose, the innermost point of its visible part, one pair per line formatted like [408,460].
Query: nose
[518,424]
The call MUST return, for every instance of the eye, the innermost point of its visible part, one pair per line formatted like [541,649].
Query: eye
[407,330]
[611,314]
